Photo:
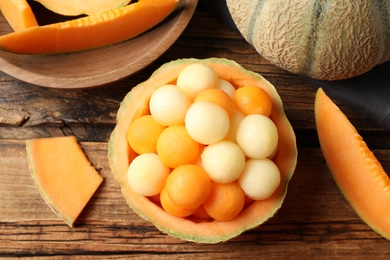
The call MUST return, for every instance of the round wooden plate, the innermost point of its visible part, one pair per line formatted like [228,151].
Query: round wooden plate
[99,66]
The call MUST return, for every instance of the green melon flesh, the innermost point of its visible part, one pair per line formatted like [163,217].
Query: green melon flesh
[135,104]
[355,169]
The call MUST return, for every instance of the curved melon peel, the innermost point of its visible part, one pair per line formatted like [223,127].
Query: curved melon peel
[79,7]
[91,31]
[18,14]
[63,175]
[135,104]
[357,172]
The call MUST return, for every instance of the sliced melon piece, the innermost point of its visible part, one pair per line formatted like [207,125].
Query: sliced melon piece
[18,14]
[79,7]
[91,31]
[63,175]
[355,169]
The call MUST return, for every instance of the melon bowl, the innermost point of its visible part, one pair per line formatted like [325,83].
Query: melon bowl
[136,104]
[100,66]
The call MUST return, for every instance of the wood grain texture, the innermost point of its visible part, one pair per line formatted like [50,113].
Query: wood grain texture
[315,221]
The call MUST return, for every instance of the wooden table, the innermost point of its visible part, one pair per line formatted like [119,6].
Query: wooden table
[314,222]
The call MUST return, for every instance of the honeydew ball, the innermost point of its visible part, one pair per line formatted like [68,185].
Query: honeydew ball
[169,104]
[223,161]
[225,86]
[260,178]
[146,174]
[235,121]
[195,78]
[207,123]
[257,135]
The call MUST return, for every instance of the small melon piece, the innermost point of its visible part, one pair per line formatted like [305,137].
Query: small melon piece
[357,172]
[86,33]
[18,13]
[79,7]
[63,175]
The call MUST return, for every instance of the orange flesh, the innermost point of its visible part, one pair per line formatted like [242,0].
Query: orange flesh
[18,14]
[64,176]
[356,170]
[135,105]
[86,32]
[252,100]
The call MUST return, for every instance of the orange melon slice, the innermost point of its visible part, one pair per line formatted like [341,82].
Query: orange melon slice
[18,14]
[63,175]
[355,169]
[91,31]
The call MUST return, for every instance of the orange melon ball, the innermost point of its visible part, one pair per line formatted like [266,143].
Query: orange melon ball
[195,78]
[201,213]
[225,202]
[207,123]
[176,147]
[172,208]
[169,104]
[253,100]
[146,174]
[218,97]
[188,186]
[143,133]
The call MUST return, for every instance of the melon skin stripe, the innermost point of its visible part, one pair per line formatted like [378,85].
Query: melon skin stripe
[63,175]
[91,31]
[18,14]
[355,169]
[135,104]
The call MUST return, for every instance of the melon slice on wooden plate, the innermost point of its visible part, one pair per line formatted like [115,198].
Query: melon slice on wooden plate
[90,32]
[63,175]
[357,172]
[18,14]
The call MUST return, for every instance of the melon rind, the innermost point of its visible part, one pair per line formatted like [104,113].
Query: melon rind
[120,154]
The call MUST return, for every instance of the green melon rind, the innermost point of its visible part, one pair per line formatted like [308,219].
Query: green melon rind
[166,74]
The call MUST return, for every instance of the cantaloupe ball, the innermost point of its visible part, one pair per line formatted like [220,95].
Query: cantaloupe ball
[235,121]
[207,123]
[226,86]
[169,104]
[143,133]
[225,202]
[223,161]
[188,186]
[218,97]
[146,174]
[260,178]
[253,100]
[176,147]
[195,78]
[257,135]
[173,209]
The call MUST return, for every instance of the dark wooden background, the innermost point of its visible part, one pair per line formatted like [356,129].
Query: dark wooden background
[315,221]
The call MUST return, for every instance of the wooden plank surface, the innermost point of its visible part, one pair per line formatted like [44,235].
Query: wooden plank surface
[315,221]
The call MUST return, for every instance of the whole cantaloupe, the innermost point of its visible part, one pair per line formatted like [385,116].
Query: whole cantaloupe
[329,40]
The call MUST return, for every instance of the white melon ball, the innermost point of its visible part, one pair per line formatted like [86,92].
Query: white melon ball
[146,174]
[235,122]
[195,78]
[260,178]
[169,104]
[207,123]
[257,135]
[223,161]
[225,86]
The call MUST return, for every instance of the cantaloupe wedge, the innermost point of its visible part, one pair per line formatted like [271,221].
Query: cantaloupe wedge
[78,7]
[357,172]
[18,14]
[63,175]
[91,31]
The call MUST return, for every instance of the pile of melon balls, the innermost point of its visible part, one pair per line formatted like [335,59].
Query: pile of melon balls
[205,150]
